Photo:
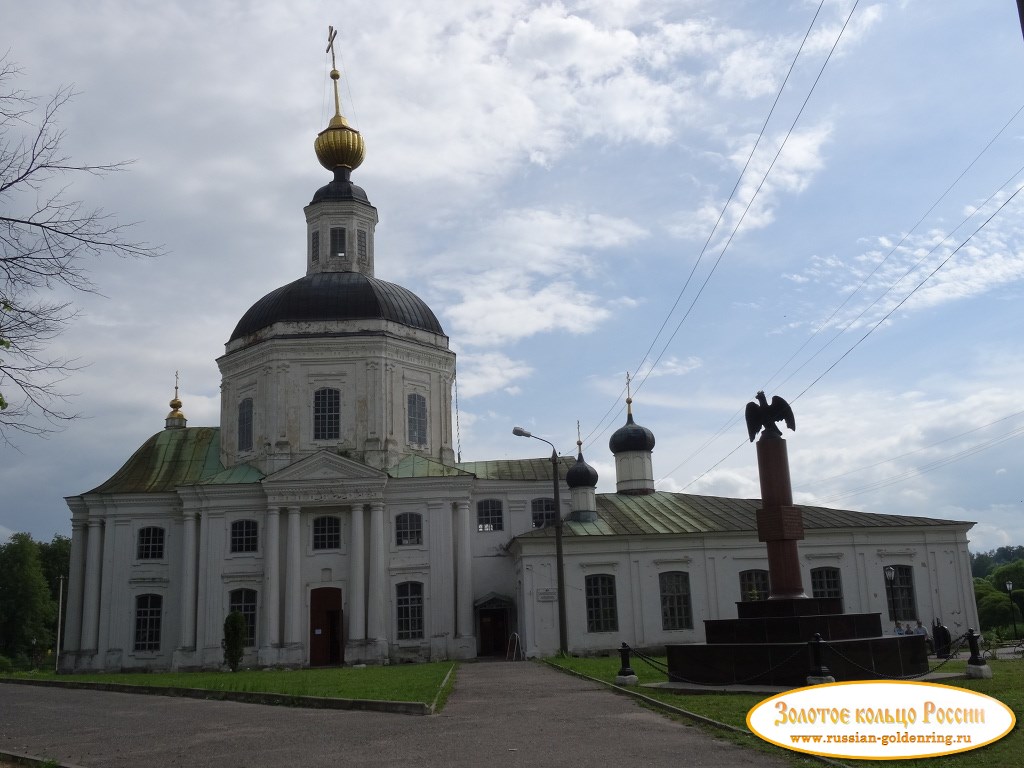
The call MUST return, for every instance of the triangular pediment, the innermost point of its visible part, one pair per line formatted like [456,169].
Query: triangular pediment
[325,466]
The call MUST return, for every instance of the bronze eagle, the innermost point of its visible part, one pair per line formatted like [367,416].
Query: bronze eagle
[761,414]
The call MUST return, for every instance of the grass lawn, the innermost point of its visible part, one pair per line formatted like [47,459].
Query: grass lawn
[400,682]
[1007,685]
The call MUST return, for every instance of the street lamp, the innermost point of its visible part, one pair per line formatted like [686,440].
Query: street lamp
[1009,587]
[890,577]
[563,643]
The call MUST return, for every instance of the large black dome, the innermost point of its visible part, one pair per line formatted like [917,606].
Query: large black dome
[338,296]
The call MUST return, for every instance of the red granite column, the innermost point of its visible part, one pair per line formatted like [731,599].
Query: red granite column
[779,524]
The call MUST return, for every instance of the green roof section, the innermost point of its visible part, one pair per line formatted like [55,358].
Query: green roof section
[421,466]
[168,459]
[517,469]
[241,474]
[679,513]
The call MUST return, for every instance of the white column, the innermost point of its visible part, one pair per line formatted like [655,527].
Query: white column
[91,607]
[464,583]
[293,587]
[375,609]
[76,576]
[357,579]
[203,596]
[188,582]
[272,579]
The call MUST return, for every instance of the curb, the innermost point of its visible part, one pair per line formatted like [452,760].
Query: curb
[245,697]
[12,757]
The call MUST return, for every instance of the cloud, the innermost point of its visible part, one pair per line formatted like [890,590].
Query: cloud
[480,374]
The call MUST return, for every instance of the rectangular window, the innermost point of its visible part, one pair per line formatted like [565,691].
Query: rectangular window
[676,610]
[327,533]
[826,582]
[543,512]
[314,247]
[244,536]
[151,543]
[337,242]
[409,607]
[417,405]
[408,529]
[327,414]
[489,516]
[245,425]
[602,612]
[148,610]
[900,593]
[361,244]
[754,585]
[244,601]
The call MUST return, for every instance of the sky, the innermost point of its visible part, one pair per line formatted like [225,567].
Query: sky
[548,177]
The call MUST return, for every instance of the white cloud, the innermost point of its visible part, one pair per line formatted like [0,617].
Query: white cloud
[480,374]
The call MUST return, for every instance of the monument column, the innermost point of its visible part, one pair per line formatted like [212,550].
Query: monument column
[93,565]
[779,524]
[293,586]
[357,579]
[378,564]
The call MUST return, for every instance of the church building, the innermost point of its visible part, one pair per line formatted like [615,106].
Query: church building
[328,507]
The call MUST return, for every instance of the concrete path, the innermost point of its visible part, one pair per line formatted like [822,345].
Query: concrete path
[500,714]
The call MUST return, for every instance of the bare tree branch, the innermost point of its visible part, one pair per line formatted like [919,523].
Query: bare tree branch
[46,238]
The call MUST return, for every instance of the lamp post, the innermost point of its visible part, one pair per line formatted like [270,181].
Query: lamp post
[1009,588]
[890,576]
[563,643]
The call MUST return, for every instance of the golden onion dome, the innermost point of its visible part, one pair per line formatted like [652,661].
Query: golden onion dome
[339,145]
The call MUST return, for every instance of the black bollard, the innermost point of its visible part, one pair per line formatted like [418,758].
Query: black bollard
[818,668]
[972,643]
[626,670]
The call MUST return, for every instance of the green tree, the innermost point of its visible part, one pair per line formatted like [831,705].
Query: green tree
[234,639]
[55,557]
[27,612]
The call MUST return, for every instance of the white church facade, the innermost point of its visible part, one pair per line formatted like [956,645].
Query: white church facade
[328,507]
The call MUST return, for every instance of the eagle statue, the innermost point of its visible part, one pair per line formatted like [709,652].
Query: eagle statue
[761,414]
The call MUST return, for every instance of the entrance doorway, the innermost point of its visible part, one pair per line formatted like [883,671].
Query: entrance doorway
[494,621]
[326,644]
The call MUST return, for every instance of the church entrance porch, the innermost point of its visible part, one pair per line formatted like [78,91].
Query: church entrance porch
[326,644]
[494,625]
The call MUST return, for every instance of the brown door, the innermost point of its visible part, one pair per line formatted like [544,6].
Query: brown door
[493,631]
[326,646]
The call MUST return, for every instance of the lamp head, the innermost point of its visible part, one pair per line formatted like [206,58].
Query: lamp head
[890,573]
[520,432]
[1009,585]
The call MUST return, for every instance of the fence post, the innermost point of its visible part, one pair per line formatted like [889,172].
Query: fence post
[819,672]
[626,674]
[976,666]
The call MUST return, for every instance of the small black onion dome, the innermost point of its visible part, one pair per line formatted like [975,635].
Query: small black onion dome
[631,437]
[581,474]
[341,188]
[327,296]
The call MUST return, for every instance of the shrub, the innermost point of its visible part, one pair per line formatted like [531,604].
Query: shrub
[5,665]
[234,639]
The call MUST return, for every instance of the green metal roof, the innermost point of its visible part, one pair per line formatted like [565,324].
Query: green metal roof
[420,466]
[240,474]
[168,459]
[516,469]
[680,513]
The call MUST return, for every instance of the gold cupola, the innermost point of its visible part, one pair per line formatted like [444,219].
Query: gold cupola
[339,145]
[175,419]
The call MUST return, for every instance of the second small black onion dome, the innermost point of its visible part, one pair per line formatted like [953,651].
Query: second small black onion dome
[631,436]
[581,474]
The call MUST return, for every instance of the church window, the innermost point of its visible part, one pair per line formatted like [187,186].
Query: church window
[489,515]
[327,414]
[417,419]
[245,425]
[327,532]
[602,612]
[148,611]
[826,582]
[409,606]
[151,543]
[408,529]
[314,247]
[754,585]
[361,244]
[244,602]
[900,594]
[543,511]
[244,536]
[337,241]
[676,609]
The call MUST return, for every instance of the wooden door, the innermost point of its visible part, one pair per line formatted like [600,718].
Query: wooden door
[326,644]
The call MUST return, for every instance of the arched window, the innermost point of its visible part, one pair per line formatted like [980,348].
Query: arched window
[543,511]
[602,611]
[754,585]
[899,593]
[244,601]
[826,582]
[327,532]
[151,543]
[148,613]
[327,414]
[244,536]
[417,411]
[676,609]
[408,529]
[409,610]
[489,515]
[245,425]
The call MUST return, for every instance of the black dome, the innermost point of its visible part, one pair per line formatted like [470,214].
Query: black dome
[581,474]
[338,296]
[631,437]
[341,188]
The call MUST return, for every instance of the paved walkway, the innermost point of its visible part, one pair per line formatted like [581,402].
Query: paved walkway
[500,714]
